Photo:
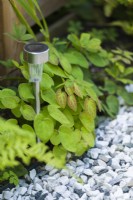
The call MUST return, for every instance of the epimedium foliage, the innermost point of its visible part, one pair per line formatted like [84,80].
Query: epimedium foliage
[68,102]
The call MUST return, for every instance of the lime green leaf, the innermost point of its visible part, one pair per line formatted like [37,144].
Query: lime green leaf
[53,58]
[125,81]
[65,63]
[98,60]
[91,93]
[88,137]
[13,121]
[46,82]
[25,71]
[68,138]
[49,96]
[28,128]
[55,139]
[57,115]
[85,39]
[87,121]
[59,156]
[31,130]
[120,66]
[91,45]
[113,104]
[55,70]
[77,72]
[26,37]
[27,112]
[94,45]
[26,91]
[81,148]
[74,39]
[128,71]
[47,70]
[76,58]
[10,102]
[7,93]
[69,116]
[44,127]
[16,111]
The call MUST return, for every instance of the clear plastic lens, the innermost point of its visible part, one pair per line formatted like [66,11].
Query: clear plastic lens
[35,71]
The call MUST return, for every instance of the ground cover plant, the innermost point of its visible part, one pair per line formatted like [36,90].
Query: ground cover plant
[79,76]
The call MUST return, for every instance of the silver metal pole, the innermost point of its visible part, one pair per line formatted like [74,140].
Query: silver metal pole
[37,96]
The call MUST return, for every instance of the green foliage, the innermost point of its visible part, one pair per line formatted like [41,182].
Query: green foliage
[10,176]
[20,143]
[19,33]
[75,27]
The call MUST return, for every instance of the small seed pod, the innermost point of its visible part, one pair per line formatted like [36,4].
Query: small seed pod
[90,106]
[77,90]
[69,90]
[61,98]
[72,102]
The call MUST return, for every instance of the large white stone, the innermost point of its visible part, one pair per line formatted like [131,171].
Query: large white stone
[60,189]
[88,172]
[101,163]
[32,174]
[102,144]
[129,172]
[38,187]
[126,139]
[22,190]
[118,193]
[93,153]
[7,194]
[97,169]
[105,158]
[64,180]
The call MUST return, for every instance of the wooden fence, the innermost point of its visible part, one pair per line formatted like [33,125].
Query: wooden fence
[8,18]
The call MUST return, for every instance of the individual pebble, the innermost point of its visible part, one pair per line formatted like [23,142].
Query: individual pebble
[100,144]
[32,174]
[60,189]
[93,153]
[104,158]
[38,187]
[64,180]
[88,172]
[129,172]
[22,190]
[97,169]
[118,193]
[7,194]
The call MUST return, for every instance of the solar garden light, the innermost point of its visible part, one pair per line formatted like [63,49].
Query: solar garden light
[36,54]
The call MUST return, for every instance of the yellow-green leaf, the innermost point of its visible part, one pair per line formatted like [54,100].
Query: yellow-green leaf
[44,127]
[87,121]
[58,115]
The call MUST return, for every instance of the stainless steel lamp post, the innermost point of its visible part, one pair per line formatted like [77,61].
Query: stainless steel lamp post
[36,54]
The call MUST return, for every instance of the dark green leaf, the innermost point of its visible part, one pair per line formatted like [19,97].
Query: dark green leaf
[113,104]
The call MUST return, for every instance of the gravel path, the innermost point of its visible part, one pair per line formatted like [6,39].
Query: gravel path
[104,173]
